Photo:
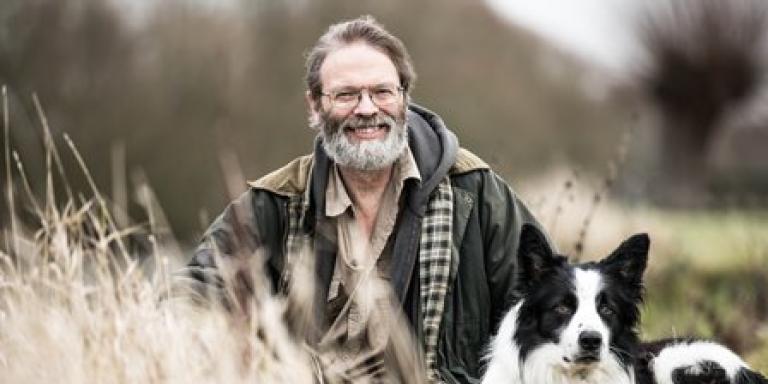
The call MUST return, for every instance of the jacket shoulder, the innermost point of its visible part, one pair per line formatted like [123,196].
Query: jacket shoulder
[290,180]
[467,161]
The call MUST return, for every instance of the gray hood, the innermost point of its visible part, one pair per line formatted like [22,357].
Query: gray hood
[434,147]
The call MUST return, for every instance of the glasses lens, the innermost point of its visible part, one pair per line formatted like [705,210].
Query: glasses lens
[382,96]
[345,98]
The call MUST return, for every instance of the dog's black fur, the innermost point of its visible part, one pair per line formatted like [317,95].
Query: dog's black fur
[578,323]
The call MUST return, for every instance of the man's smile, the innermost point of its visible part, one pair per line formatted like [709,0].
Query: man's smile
[367,132]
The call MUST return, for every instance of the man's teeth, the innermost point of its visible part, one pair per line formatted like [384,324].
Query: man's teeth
[367,129]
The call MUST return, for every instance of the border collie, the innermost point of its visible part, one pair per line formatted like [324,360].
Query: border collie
[577,323]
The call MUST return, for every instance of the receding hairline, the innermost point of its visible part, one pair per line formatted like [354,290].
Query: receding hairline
[361,43]
[362,30]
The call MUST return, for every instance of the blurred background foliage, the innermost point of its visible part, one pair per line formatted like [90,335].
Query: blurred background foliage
[160,91]
[182,83]
[161,94]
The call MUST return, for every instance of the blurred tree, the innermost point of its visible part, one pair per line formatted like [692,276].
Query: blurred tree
[707,57]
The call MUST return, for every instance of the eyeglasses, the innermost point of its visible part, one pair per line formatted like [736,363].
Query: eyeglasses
[349,98]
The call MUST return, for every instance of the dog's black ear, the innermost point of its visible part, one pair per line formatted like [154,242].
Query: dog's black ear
[628,261]
[534,256]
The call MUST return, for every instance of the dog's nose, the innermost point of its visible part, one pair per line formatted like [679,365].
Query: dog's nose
[590,341]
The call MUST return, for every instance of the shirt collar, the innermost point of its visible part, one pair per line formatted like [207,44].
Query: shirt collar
[337,201]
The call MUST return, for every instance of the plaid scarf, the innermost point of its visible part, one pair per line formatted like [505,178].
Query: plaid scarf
[434,261]
[434,268]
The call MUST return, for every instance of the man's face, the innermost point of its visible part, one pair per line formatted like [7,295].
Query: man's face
[369,134]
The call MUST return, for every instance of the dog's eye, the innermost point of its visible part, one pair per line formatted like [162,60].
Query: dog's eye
[605,311]
[562,309]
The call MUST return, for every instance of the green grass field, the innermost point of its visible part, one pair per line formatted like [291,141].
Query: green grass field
[710,278]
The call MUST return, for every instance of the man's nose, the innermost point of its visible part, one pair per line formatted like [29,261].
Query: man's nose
[365,106]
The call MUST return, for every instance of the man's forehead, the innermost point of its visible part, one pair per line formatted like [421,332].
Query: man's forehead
[357,64]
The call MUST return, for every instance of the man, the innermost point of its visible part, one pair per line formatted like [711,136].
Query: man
[389,195]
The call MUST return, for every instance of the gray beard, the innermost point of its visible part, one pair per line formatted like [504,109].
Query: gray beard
[367,155]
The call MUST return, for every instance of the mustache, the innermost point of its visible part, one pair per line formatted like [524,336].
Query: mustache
[354,122]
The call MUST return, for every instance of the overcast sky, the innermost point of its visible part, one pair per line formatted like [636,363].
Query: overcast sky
[596,30]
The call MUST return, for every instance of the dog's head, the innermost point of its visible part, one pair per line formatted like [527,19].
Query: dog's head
[578,318]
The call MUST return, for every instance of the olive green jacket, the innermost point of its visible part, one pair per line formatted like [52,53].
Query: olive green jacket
[487,218]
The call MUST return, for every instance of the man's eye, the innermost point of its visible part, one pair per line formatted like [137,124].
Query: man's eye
[345,95]
[384,92]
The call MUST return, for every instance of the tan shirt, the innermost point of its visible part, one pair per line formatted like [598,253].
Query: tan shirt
[362,267]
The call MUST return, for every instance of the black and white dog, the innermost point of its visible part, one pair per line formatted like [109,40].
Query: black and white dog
[578,324]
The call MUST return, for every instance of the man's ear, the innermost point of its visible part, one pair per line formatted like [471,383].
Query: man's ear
[534,256]
[629,260]
[312,109]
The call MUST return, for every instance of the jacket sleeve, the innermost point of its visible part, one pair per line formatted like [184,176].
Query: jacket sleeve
[246,234]
[503,215]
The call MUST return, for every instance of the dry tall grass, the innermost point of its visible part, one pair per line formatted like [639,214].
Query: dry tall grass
[77,306]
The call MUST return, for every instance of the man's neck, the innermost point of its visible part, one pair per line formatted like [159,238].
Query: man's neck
[366,189]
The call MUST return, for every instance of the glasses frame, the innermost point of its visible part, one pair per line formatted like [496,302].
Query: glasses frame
[367,90]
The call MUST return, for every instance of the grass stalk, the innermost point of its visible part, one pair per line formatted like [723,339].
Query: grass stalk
[601,194]
[28,188]
[99,198]
[14,246]
[51,146]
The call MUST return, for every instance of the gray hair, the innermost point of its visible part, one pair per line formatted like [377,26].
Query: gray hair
[362,29]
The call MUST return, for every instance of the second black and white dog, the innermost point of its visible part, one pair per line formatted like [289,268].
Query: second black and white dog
[577,323]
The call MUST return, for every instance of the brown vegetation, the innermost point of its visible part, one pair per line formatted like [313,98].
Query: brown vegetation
[184,83]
